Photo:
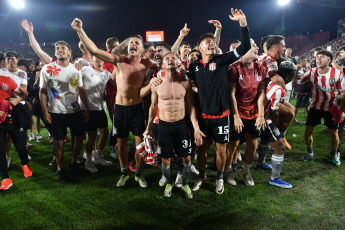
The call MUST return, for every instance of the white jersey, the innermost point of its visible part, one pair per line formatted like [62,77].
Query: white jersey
[274,97]
[61,84]
[94,83]
[20,76]
[325,88]
[84,63]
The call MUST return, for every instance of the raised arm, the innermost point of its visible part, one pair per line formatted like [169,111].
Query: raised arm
[152,111]
[238,15]
[77,25]
[118,49]
[29,28]
[218,26]
[183,33]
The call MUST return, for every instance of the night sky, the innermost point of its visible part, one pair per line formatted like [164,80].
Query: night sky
[122,18]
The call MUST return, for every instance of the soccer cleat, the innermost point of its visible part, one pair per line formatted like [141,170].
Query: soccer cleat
[39,138]
[8,161]
[28,145]
[179,180]
[141,180]
[99,160]
[163,181]
[31,137]
[6,184]
[61,176]
[307,156]
[279,183]
[230,177]
[122,180]
[265,166]
[198,184]
[26,170]
[131,166]
[336,161]
[287,145]
[113,152]
[187,191]
[219,186]
[247,178]
[89,166]
[194,170]
[168,189]
[52,161]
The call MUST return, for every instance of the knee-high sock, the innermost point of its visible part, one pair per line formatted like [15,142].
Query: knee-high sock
[262,151]
[167,172]
[277,165]
[186,172]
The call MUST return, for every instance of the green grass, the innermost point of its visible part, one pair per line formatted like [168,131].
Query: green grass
[316,200]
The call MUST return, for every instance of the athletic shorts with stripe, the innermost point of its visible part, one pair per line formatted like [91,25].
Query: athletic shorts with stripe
[216,129]
[270,134]
[174,136]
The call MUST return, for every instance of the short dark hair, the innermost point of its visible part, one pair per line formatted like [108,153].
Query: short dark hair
[287,70]
[23,62]
[236,41]
[2,57]
[110,41]
[301,59]
[140,37]
[75,57]
[317,49]
[184,43]
[342,48]
[326,53]
[203,36]
[165,45]
[263,41]
[11,54]
[274,40]
[147,45]
[194,50]
[63,43]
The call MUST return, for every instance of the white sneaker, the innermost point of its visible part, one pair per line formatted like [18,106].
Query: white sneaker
[29,157]
[219,186]
[163,181]
[141,180]
[239,157]
[122,180]
[39,138]
[194,170]
[85,156]
[31,137]
[178,181]
[89,166]
[230,177]
[99,160]
[247,178]
[198,184]
[8,161]
[28,145]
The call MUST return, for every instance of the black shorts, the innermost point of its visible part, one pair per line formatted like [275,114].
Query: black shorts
[249,127]
[37,110]
[271,134]
[302,101]
[154,130]
[60,122]
[129,119]
[216,129]
[315,115]
[174,136]
[97,119]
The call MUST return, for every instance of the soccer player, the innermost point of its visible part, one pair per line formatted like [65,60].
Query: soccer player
[128,112]
[149,51]
[247,99]
[10,95]
[86,59]
[62,80]
[94,79]
[172,95]
[210,75]
[327,84]
[274,96]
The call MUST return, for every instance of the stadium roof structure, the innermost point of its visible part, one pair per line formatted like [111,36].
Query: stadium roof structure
[327,3]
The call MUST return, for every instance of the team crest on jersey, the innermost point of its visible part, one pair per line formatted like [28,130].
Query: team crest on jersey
[241,78]
[73,81]
[4,87]
[212,66]
[331,80]
[53,70]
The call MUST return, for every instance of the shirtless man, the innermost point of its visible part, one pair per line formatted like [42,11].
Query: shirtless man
[172,95]
[128,112]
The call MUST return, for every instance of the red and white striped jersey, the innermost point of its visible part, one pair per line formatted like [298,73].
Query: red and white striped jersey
[268,63]
[325,87]
[274,96]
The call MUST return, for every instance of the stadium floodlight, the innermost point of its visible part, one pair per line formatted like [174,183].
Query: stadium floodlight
[18,4]
[283,2]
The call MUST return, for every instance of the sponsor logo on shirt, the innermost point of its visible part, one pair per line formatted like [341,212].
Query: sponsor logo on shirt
[326,89]
[53,70]
[4,87]
[212,66]
[331,80]
[196,68]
